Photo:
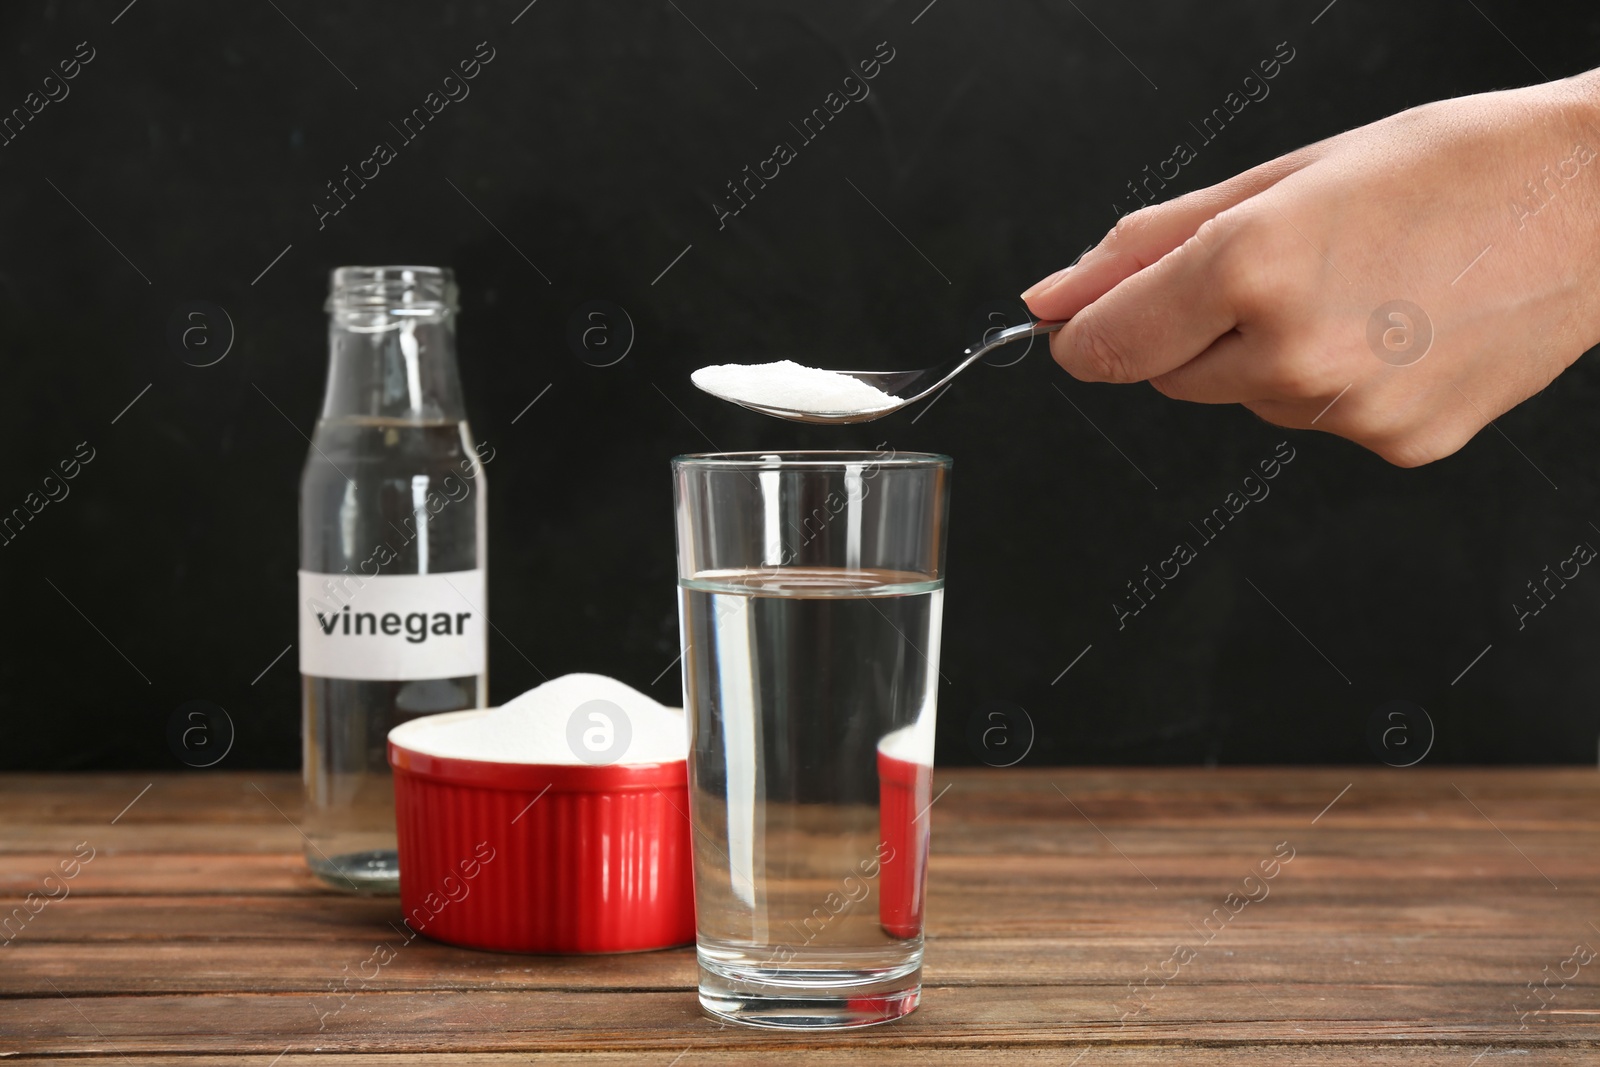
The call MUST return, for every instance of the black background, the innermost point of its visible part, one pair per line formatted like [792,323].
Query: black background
[995,144]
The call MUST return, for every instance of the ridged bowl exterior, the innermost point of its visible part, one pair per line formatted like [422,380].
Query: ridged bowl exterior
[904,823]
[544,858]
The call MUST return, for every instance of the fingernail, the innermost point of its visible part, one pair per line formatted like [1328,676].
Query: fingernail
[1045,283]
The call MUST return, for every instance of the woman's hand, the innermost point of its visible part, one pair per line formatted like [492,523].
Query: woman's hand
[1399,285]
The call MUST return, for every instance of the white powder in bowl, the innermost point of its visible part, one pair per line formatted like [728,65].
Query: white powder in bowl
[572,720]
[913,744]
[787,384]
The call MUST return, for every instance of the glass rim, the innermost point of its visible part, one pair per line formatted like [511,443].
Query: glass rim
[809,459]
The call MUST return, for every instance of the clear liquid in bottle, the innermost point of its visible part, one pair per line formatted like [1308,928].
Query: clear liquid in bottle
[392,560]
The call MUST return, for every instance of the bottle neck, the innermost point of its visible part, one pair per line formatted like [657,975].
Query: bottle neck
[393,366]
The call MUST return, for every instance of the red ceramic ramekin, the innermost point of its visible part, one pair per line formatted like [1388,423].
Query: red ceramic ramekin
[904,792]
[551,858]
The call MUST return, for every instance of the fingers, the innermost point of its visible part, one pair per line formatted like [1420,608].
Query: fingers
[1136,242]
[1248,366]
[1228,372]
[1143,237]
[1150,323]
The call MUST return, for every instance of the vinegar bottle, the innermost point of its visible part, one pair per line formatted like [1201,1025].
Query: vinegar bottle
[393,559]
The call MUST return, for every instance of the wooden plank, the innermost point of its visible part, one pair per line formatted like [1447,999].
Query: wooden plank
[138,873]
[702,1055]
[1094,1055]
[57,839]
[950,1017]
[956,909]
[1459,866]
[955,833]
[1554,798]
[1281,952]
[231,798]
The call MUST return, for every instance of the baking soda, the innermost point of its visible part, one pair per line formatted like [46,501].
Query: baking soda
[539,727]
[787,384]
[912,744]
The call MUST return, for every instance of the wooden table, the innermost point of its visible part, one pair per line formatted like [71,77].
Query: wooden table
[1074,916]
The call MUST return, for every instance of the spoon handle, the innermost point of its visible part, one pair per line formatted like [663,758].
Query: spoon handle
[1016,333]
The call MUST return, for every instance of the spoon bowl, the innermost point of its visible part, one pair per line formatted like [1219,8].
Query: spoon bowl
[919,384]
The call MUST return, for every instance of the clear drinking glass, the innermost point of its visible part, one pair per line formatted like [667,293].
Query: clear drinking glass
[392,559]
[811,587]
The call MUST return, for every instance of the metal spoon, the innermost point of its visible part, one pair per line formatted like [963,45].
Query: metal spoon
[919,383]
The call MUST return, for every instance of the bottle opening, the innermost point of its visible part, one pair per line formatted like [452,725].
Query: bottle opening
[396,290]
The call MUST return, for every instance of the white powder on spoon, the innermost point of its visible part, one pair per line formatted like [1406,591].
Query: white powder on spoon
[787,384]
[553,723]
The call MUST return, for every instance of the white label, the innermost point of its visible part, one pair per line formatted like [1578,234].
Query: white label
[393,627]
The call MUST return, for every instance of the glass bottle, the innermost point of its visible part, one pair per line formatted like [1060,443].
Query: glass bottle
[393,559]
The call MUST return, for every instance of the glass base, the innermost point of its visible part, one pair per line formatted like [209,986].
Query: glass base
[787,999]
[374,872]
